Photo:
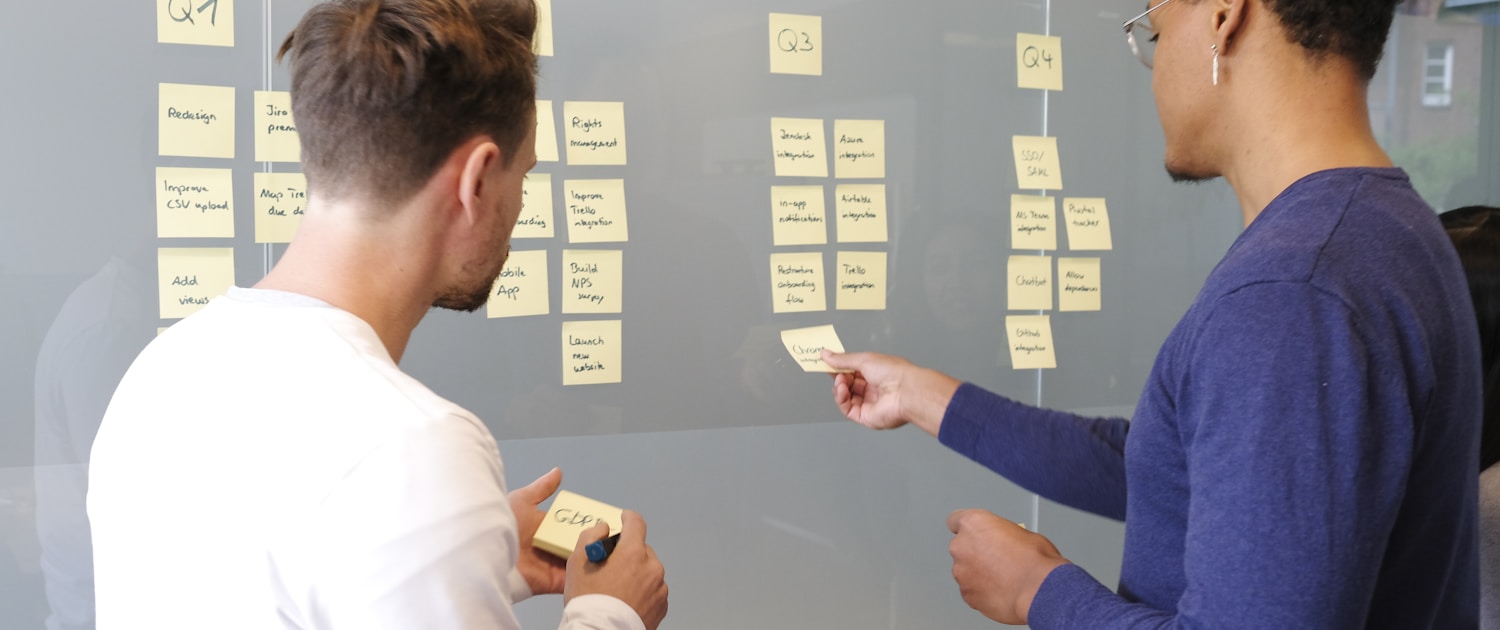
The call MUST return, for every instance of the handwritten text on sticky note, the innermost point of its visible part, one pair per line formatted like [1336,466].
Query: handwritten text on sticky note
[806,346]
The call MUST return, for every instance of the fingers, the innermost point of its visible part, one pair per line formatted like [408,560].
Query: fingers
[590,536]
[632,527]
[537,491]
[956,519]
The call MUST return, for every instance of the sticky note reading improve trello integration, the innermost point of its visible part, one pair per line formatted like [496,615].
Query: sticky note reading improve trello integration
[570,515]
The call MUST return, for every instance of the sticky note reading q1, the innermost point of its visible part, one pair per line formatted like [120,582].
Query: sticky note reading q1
[570,515]
[806,346]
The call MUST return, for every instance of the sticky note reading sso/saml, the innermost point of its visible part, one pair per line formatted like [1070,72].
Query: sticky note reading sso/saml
[806,346]
[570,515]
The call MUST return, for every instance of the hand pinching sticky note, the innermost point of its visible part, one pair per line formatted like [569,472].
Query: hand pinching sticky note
[806,346]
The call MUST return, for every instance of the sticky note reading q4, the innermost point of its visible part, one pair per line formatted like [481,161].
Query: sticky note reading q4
[570,515]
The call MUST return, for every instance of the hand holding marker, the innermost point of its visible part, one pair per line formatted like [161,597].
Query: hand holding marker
[600,549]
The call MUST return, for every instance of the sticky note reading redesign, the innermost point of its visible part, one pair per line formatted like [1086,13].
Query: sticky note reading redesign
[595,133]
[536,207]
[860,279]
[194,202]
[521,289]
[859,149]
[1039,62]
[1033,222]
[592,281]
[541,42]
[195,120]
[797,283]
[796,44]
[1078,284]
[189,277]
[798,216]
[1030,340]
[591,352]
[570,515]
[275,133]
[280,202]
[195,23]
[595,209]
[1030,283]
[1037,165]
[861,213]
[799,147]
[806,346]
[546,132]
[1087,221]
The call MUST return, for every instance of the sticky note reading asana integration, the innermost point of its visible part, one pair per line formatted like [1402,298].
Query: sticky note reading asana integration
[591,352]
[570,515]
[798,216]
[1030,339]
[799,147]
[280,202]
[806,346]
[194,202]
[521,289]
[797,283]
[595,133]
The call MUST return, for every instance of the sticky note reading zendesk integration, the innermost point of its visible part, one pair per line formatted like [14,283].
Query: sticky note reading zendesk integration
[541,42]
[1039,62]
[860,280]
[1030,283]
[188,277]
[861,213]
[796,44]
[1037,165]
[595,210]
[195,120]
[1087,221]
[592,280]
[1030,339]
[275,133]
[280,203]
[591,352]
[1033,222]
[521,289]
[859,149]
[197,23]
[546,132]
[799,147]
[797,283]
[595,133]
[570,515]
[194,202]
[798,216]
[1078,284]
[806,346]
[536,207]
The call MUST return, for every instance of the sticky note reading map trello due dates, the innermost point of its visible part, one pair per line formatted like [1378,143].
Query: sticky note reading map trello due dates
[806,346]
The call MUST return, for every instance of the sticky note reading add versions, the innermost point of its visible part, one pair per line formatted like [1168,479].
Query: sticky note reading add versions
[797,283]
[799,147]
[806,346]
[195,120]
[1030,340]
[591,352]
[595,133]
[521,289]
[189,277]
[570,515]
[1037,165]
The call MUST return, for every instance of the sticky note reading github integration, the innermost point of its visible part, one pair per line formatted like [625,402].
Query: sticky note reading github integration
[806,346]
[569,515]
[1030,339]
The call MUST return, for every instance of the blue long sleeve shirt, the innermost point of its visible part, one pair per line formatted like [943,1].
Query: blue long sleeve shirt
[1304,453]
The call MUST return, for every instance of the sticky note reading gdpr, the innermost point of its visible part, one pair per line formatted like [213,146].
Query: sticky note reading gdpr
[806,346]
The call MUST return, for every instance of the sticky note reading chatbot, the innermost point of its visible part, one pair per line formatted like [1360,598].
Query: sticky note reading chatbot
[570,515]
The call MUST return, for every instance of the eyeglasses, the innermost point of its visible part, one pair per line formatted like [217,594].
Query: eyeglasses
[1144,49]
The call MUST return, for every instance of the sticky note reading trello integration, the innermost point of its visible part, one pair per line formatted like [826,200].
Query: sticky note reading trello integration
[806,346]
[570,515]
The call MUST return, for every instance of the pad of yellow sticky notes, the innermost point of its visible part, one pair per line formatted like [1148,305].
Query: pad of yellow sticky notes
[570,515]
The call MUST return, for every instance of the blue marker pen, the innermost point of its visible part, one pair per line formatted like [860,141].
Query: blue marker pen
[600,549]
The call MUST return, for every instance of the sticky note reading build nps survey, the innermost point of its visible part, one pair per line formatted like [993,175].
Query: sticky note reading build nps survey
[595,133]
[195,23]
[861,213]
[1088,223]
[275,133]
[280,202]
[806,346]
[1030,339]
[798,216]
[521,289]
[1030,283]
[799,148]
[797,283]
[194,202]
[859,149]
[195,120]
[1033,222]
[1037,165]
[570,515]
[591,352]
[595,210]
[593,280]
[1039,62]
[189,277]
[536,207]
[796,44]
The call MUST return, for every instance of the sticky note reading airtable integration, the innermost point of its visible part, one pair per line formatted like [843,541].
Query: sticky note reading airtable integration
[861,213]
[806,346]
[570,515]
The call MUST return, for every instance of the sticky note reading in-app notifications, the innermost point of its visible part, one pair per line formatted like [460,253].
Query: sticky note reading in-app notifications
[595,132]
[280,203]
[592,280]
[546,132]
[194,202]
[188,277]
[1037,164]
[799,148]
[1030,283]
[1033,222]
[798,216]
[1087,221]
[1078,285]
[860,279]
[591,352]
[796,44]
[521,289]
[859,149]
[1030,339]
[797,283]
[806,346]
[1039,62]
[595,209]
[275,133]
[861,214]
[195,120]
[536,207]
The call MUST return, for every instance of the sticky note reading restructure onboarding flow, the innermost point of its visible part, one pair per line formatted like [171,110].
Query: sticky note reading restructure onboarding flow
[806,346]
[569,515]
[536,220]
[1030,340]
[797,284]
[1037,164]
[799,147]
[521,288]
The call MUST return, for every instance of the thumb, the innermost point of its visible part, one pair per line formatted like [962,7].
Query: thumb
[843,360]
[537,491]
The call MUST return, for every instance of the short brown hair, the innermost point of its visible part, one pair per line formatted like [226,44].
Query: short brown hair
[384,90]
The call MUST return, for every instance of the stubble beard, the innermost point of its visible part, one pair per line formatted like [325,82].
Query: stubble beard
[469,298]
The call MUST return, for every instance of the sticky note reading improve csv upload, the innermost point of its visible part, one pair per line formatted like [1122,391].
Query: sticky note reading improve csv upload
[1030,340]
[1037,165]
[194,202]
[570,515]
[806,346]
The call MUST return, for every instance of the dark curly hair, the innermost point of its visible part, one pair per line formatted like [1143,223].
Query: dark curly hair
[1350,29]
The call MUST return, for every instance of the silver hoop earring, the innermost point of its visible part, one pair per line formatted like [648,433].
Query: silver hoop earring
[1215,48]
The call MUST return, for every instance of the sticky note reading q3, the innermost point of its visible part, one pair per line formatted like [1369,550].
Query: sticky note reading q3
[569,515]
[806,346]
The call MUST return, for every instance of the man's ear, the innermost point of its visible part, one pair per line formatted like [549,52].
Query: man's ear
[1228,19]
[479,157]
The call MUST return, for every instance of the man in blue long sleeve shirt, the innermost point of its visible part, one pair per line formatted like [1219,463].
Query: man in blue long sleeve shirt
[1302,455]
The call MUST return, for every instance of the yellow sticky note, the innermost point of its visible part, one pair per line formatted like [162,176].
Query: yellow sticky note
[799,147]
[195,120]
[596,210]
[798,216]
[280,203]
[521,289]
[859,149]
[1030,283]
[275,133]
[194,202]
[860,279]
[1037,165]
[536,207]
[1033,222]
[592,280]
[1030,340]
[797,283]
[796,44]
[195,22]
[1078,284]
[806,346]
[1087,221]
[570,515]
[1039,62]
[591,352]
[595,132]
[546,132]
[188,277]
[541,42]
[861,213]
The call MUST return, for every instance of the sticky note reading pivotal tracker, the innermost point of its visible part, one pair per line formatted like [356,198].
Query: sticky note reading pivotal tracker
[521,289]
[189,277]
[1030,339]
[797,283]
[799,147]
[1033,222]
[570,515]
[798,216]
[591,352]
[806,346]
[275,133]
[195,120]
[194,202]
[595,133]
[280,203]
[1037,165]
[1087,221]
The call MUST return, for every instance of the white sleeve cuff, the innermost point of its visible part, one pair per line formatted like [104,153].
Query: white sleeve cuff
[599,612]
[516,583]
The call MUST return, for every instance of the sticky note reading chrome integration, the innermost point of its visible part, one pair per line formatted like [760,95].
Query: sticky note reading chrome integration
[194,202]
[275,133]
[195,120]
[1039,62]
[536,207]
[546,132]
[861,214]
[591,352]
[592,280]
[798,216]
[1078,285]
[859,149]
[806,346]
[188,277]
[860,280]
[595,132]
[280,203]
[1030,283]
[1037,165]
[570,515]
[195,23]
[796,44]
[521,289]
[799,148]
[1033,222]
[797,283]
[1087,221]
[1030,340]
[595,210]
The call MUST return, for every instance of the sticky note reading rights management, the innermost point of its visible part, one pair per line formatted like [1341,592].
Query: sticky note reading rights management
[806,346]
[572,514]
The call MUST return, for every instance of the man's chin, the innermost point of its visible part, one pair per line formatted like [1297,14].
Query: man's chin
[1188,175]
[463,303]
